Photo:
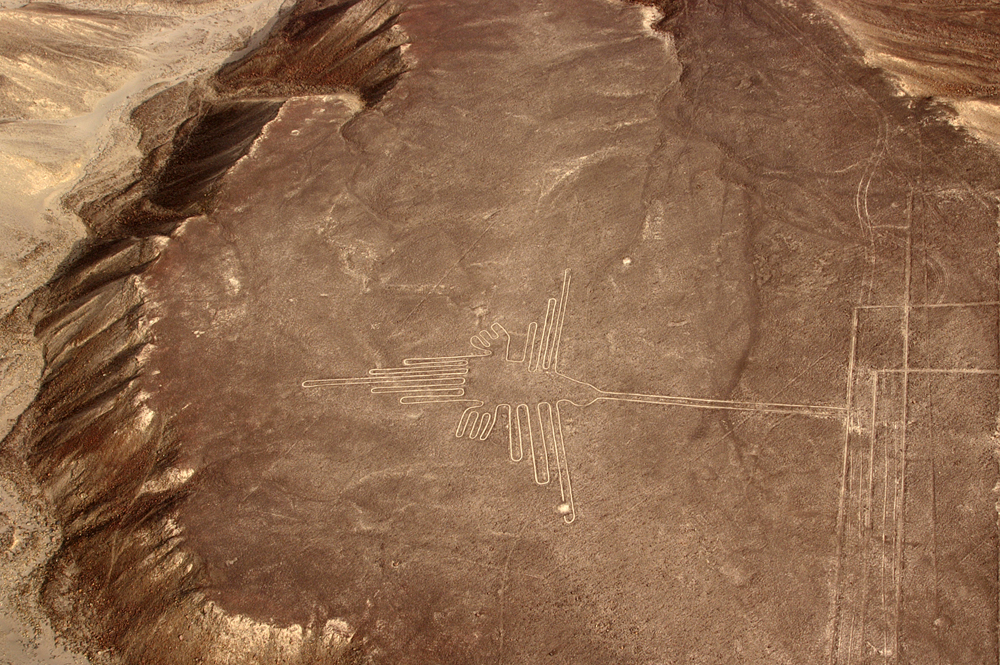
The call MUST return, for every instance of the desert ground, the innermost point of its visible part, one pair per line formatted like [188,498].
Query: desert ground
[500,332]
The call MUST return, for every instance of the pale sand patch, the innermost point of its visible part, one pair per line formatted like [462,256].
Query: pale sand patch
[76,136]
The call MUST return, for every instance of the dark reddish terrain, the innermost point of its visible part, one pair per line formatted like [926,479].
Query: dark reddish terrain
[762,289]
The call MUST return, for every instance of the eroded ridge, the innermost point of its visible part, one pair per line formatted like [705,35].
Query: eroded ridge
[523,391]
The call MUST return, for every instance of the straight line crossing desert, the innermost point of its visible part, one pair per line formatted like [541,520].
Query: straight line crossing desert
[441,380]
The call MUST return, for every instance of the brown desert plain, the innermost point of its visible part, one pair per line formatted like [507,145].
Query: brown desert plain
[509,332]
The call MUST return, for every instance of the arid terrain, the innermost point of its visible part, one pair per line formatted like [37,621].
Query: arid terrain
[501,332]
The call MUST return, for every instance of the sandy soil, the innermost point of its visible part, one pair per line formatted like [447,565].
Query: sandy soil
[750,295]
[939,51]
[73,76]
[762,231]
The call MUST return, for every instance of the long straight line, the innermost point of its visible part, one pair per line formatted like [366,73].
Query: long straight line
[541,362]
[444,388]
[901,519]
[997,201]
[871,451]
[885,508]
[386,381]
[560,320]
[934,552]
[867,523]
[851,464]
[981,303]
[425,368]
[928,370]
[842,506]
[702,403]
[567,493]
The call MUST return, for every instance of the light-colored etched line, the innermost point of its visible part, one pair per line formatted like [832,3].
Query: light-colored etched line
[901,513]
[442,380]
[464,421]
[872,436]
[531,340]
[835,609]
[383,381]
[528,341]
[485,426]
[934,548]
[424,368]
[816,410]
[555,333]
[479,426]
[436,399]
[847,536]
[426,374]
[536,349]
[550,309]
[550,336]
[476,342]
[861,492]
[414,369]
[491,422]
[510,433]
[820,411]
[457,379]
[416,386]
[858,620]
[867,522]
[425,391]
[565,489]
[322,383]
[447,361]
[541,435]
[932,453]
[934,305]
[885,510]
[359,381]
[440,361]
[996,201]
[443,387]
[417,383]
[549,435]
[561,320]
[524,421]
[559,451]
[501,332]
[520,434]
[430,364]
[491,334]
[893,561]
[421,392]
[924,370]
[861,207]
